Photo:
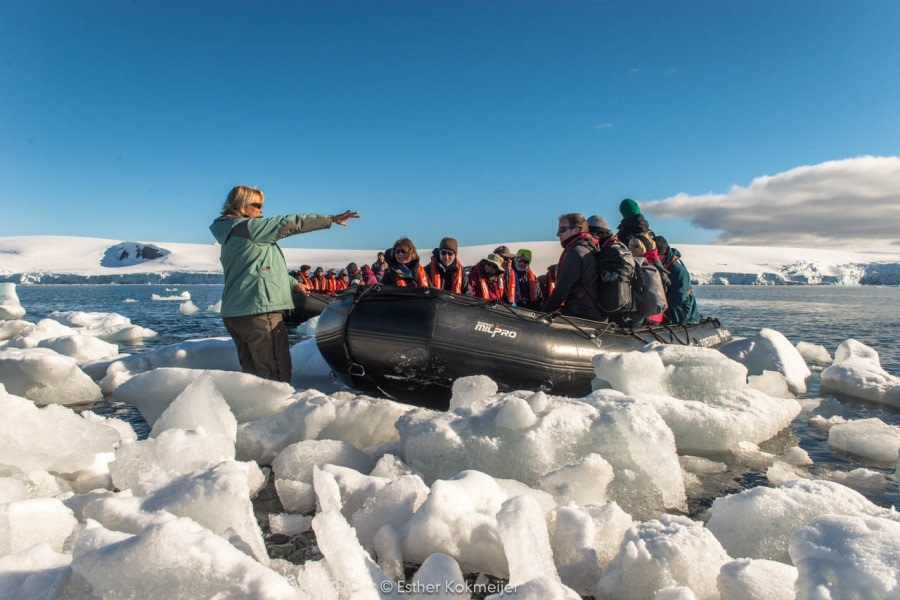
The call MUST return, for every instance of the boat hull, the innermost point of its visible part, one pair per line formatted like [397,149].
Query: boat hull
[306,307]
[411,344]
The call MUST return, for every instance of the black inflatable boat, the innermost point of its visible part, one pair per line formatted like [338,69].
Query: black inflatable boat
[411,344]
[306,307]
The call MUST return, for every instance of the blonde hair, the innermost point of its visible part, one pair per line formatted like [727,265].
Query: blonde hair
[238,199]
[575,220]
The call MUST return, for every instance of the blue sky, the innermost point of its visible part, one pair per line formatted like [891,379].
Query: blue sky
[480,120]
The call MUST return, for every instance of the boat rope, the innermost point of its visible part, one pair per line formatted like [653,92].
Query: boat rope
[674,336]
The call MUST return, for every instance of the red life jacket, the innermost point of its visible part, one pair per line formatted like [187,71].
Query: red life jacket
[485,287]
[420,276]
[305,280]
[319,283]
[532,289]
[437,276]
[510,296]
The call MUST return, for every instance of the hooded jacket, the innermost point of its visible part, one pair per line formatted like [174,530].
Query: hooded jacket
[576,280]
[679,294]
[256,276]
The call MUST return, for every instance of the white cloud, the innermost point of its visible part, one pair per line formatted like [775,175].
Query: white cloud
[605,126]
[839,203]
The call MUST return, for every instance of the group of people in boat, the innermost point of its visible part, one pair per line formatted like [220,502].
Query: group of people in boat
[594,277]
[592,252]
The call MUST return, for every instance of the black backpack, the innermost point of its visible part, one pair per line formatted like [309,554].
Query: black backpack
[615,271]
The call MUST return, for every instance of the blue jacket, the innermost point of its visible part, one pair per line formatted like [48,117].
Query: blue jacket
[256,276]
[679,295]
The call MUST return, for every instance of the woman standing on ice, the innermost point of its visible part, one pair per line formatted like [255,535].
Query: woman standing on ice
[257,283]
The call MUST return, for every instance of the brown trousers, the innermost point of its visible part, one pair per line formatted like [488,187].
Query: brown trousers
[262,345]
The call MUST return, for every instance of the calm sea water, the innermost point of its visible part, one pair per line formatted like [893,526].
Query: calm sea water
[823,315]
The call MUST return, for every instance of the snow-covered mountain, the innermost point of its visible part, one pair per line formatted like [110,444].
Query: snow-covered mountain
[64,259]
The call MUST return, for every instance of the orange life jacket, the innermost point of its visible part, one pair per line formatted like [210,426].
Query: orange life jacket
[437,276]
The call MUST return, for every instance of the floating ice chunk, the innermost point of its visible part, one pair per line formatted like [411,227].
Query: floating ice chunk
[293,469]
[199,405]
[822,424]
[215,308]
[178,558]
[748,579]
[303,419]
[11,489]
[353,570]
[51,439]
[36,573]
[701,394]
[150,464]
[472,392]
[635,440]
[129,301]
[188,308]
[583,483]
[365,422]
[515,414]
[24,523]
[459,518]
[585,540]
[769,350]
[83,348]
[391,467]
[111,327]
[309,368]
[308,327]
[871,439]
[840,556]
[814,353]
[526,544]
[798,457]
[185,295]
[219,499]
[46,377]
[35,333]
[392,503]
[211,353]
[756,523]
[288,524]
[248,396]
[657,554]
[10,307]
[13,329]
[631,437]
[857,372]
[865,481]
[439,578]
[771,383]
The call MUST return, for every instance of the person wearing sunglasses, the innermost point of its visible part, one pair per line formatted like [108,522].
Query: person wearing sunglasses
[403,268]
[445,272]
[486,279]
[575,293]
[257,283]
[528,293]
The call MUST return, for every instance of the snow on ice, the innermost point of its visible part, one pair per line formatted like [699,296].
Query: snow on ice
[537,495]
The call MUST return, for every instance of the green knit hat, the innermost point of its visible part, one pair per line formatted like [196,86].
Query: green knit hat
[629,208]
[525,253]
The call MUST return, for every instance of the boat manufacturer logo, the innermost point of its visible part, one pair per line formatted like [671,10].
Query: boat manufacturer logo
[494,330]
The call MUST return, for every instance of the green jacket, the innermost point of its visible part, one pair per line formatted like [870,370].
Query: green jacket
[256,276]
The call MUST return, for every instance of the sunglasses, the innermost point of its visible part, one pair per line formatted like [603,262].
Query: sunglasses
[256,205]
[400,251]
[566,228]
[522,260]
[448,253]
